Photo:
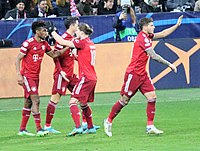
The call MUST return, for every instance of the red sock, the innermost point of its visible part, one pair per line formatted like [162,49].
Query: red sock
[37,120]
[25,116]
[83,118]
[87,112]
[115,110]
[151,111]
[50,112]
[75,114]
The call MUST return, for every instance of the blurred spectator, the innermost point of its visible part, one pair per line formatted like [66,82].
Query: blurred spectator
[30,4]
[63,7]
[12,3]
[180,5]
[73,9]
[197,6]
[106,7]
[4,7]
[150,6]
[18,12]
[124,24]
[85,7]
[42,10]
[6,43]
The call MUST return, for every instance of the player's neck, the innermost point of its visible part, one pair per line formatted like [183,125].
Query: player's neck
[38,39]
[70,32]
[145,31]
[84,36]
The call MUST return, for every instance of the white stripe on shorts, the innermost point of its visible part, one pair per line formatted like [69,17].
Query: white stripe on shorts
[27,84]
[59,82]
[80,85]
[128,82]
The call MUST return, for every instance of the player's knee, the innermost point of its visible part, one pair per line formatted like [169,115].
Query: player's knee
[36,102]
[27,103]
[125,100]
[83,106]
[73,101]
[55,98]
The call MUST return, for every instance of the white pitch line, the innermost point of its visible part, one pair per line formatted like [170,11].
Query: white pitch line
[110,104]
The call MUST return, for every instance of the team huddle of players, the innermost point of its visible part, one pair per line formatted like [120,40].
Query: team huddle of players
[69,48]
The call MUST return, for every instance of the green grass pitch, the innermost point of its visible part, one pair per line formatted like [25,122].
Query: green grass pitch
[178,115]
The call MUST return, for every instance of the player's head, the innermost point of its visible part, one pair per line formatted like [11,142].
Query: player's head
[84,29]
[39,29]
[146,24]
[71,22]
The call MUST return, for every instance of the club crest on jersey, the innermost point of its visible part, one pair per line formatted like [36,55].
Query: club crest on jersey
[25,44]
[33,89]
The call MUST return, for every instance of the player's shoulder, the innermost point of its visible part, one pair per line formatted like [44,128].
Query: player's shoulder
[140,37]
[28,42]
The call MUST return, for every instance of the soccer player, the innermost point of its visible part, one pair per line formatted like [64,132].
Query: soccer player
[64,63]
[136,77]
[30,56]
[83,91]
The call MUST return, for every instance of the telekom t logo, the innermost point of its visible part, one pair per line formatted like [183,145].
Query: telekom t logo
[35,57]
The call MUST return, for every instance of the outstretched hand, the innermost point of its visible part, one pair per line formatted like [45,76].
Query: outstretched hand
[63,74]
[50,27]
[20,80]
[179,21]
[173,67]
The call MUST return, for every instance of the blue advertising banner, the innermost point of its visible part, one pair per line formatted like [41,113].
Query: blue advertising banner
[184,54]
[19,30]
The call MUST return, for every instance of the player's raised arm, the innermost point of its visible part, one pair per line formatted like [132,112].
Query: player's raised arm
[170,30]
[160,59]
[52,31]
[61,41]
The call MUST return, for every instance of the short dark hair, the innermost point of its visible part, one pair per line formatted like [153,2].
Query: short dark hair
[144,22]
[39,1]
[20,1]
[69,21]
[85,28]
[37,24]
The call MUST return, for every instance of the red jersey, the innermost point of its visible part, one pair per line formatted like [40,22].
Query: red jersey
[34,52]
[139,56]
[67,59]
[86,57]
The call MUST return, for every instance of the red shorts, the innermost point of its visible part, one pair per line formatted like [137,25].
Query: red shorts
[134,82]
[84,90]
[60,85]
[30,86]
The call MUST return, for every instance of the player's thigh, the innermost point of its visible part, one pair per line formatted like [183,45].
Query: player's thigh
[72,83]
[55,97]
[131,84]
[30,87]
[60,85]
[147,88]
[84,90]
